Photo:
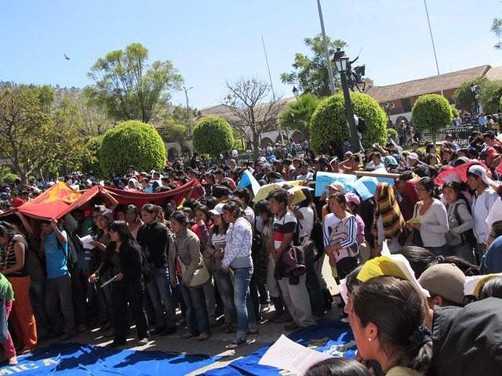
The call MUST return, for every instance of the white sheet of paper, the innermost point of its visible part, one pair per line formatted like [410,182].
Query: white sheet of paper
[86,241]
[291,356]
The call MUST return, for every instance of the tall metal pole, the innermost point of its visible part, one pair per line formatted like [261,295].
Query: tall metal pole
[432,41]
[189,117]
[271,87]
[326,50]
[355,140]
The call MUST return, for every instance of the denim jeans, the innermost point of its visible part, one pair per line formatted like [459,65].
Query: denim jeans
[210,298]
[242,300]
[159,289]
[196,310]
[226,290]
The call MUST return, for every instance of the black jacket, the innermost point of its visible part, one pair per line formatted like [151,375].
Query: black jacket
[154,239]
[468,341]
[130,262]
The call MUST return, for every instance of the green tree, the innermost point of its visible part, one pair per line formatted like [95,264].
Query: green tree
[299,113]
[489,96]
[212,135]
[132,143]
[7,176]
[252,109]
[24,129]
[497,30]
[431,112]
[329,127]
[454,112]
[91,164]
[310,74]
[464,96]
[173,131]
[128,87]
[392,135]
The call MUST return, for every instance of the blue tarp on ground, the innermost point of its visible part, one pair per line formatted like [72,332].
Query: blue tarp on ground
[77,359]
[329,336]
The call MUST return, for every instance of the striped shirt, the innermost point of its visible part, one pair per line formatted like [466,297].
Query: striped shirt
[285,224]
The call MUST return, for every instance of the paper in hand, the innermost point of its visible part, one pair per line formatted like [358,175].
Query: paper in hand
[291,356]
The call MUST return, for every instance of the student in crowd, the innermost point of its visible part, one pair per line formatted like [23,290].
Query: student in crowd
[6,301]
[237,257]
[213,255]
[154,238]
[387,316]
[431,218]
[340,236]
[460,222]
[388,222]
[184,259]
[13,254]
[58,292]
[123,257]
[294,290]
[338,367]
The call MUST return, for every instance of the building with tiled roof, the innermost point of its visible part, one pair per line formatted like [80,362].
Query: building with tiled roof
[398,99]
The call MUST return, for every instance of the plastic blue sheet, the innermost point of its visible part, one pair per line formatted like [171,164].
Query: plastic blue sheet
[76,359]
[336,337]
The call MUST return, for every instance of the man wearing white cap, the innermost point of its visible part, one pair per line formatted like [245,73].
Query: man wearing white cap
[483,199]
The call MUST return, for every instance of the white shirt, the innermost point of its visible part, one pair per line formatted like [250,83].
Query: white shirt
[480,209]
[307,222]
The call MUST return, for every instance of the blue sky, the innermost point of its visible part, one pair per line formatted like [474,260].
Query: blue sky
[214,41]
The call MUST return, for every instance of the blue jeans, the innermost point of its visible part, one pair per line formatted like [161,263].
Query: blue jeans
[196,310]
[226,290]
[159,289]
[242,300]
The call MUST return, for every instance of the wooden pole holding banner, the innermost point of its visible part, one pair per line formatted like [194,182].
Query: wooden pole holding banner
[376,174]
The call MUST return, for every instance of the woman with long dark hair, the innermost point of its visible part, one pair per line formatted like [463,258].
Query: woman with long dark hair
[340,236]
[461,241]
[154,238]
[123,258]
[238,258]
[431,219]
[213,254]
[387,316]
[184,259]
[13,249]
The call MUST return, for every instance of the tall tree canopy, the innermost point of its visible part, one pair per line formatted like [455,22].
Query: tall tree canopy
[37,136]
[128,87]
[310,74]
[253,110]
[497,30]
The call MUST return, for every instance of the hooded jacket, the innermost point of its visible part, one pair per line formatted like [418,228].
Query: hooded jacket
[468,340]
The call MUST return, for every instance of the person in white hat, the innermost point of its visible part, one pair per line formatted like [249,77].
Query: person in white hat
[482,201]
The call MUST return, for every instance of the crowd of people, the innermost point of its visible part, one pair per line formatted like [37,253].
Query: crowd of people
[225,259]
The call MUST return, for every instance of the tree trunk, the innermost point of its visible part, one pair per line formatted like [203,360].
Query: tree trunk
[255,146]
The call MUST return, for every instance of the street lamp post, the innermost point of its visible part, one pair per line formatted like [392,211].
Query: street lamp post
[189,116]
[341,61]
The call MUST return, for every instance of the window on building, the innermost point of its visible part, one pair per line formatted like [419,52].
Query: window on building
[406,105]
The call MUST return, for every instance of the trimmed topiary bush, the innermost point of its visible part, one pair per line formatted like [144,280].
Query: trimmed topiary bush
[392,134]
[329,127]
[431,112]
[132,143]
[212,135]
